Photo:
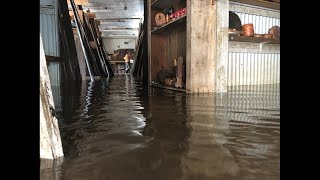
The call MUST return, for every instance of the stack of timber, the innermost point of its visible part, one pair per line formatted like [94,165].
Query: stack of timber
[68,51]
[138,63]
[93,47]
[95,58]
[98,45]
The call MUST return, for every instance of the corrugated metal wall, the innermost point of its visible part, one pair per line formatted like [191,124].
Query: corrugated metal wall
[262,18]
[49,30]
[262,101]
[261,24]
[50,38]
[253,68]
[54,70]
[54,73]
[112,44]
[46,2]
[56,94]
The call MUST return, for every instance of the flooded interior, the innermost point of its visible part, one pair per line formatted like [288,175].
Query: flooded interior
[119,130]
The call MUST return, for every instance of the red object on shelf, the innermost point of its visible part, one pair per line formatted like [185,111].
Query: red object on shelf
[178,13]
[247,30]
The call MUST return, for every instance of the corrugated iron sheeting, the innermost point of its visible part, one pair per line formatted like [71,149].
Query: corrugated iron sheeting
[50,37]
[48,30]
[47,2]
[261,24]
[55,77]
[54,73]
[56,94]
[253,68]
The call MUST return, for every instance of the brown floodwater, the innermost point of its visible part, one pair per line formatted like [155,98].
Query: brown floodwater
[119,130]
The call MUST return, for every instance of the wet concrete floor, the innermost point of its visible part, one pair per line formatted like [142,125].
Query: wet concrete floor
[118,130]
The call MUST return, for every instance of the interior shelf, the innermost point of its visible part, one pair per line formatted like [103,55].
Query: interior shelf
[170,24]
[254,39]
[168,87]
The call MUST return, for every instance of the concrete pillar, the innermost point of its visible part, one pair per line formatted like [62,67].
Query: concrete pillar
[201,51]
[50,141]
[207,46]
[222,45]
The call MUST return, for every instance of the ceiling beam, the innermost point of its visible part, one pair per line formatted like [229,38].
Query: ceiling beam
[114,19]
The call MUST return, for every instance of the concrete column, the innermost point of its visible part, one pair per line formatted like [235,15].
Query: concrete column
[50,141]
[207,46]
[201,51]
[222,45]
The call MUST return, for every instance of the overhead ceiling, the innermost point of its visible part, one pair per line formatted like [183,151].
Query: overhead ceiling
[118,18]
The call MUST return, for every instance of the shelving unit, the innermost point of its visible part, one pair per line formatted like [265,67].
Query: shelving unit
[254,40]
[201,38]
[168,87]
[168,42]
[261,13]
[192,37]
[170,25]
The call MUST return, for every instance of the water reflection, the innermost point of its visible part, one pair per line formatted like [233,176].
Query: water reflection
[50,169]
[254,138]
[207,158]
[118,129]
